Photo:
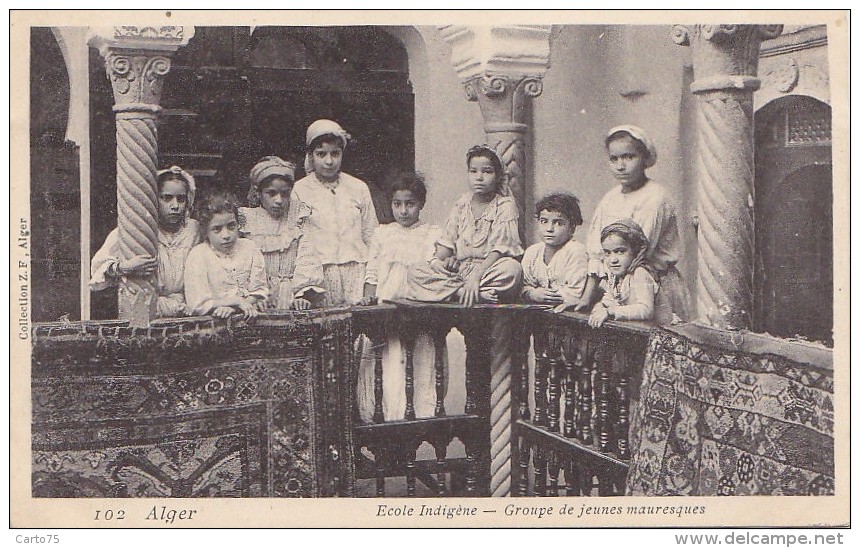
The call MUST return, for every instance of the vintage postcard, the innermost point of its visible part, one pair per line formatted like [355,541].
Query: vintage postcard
[429,269]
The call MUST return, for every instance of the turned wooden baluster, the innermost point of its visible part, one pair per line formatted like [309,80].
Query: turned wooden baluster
[380,469]
[622,430]
[376,344]
[553,468]
[471,469]
[604,404]
[585,410]
[521,368]
[440,447]
[472,361]
[540,471]
[605,483]
[573,479]
[410,470]
[570,401]
[523,457]
[407,342]
[541,344]
[440,333]
[554,393]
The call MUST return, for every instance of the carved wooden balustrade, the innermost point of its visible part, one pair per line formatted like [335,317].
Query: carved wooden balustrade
[394,444]
[571,405]
[574,404]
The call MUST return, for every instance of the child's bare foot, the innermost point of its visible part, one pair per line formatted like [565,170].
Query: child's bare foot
[488,296]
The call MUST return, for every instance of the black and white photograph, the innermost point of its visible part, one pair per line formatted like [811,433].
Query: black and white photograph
[427,269]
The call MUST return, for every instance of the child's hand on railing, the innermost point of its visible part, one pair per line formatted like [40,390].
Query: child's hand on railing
[564,306]
[598,316]
[223,312]
[249,308]
[471,291]
[301,304]
[543,295]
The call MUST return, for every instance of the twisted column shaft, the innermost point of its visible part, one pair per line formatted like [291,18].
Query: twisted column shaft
[137,208]
[725,63]
[726,173]
[501,406]
[505,106]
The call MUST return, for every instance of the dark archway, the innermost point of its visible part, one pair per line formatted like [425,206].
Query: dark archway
[794,219]
[234,96]
[55,204]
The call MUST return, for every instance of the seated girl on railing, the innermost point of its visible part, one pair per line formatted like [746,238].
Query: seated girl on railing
[476,257]
[224,274]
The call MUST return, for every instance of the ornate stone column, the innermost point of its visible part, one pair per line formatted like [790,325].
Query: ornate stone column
[504,103]
[502,69]
[725,66]
[136,60]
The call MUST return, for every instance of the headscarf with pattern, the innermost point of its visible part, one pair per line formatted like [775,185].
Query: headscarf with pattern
[630,231]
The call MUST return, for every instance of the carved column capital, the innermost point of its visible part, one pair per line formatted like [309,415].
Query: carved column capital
[136,61]
[502,98]
[137,80]
[725,57]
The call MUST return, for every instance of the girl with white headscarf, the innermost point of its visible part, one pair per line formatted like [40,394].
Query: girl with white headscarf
[646,202]
[177,234]
[341,219]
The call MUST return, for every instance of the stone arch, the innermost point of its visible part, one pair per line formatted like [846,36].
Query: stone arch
[792,76]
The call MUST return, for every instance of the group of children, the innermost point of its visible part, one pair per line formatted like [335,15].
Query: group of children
[316,242]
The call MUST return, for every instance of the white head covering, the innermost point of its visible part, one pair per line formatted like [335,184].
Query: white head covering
[639,134]
[318,129]
[272,165]
[189,180]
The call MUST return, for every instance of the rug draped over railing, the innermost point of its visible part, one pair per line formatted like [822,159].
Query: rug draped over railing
[733,414]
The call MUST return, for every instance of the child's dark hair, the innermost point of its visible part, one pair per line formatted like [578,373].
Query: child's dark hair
[640,146]
[411,181]
[561,202]
[629,231]
[326,139]
[484,151]
[211,205]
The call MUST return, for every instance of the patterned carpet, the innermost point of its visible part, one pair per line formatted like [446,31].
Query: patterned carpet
[733,414]
[197,408]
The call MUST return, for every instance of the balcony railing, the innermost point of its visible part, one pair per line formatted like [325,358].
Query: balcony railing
[540,403]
